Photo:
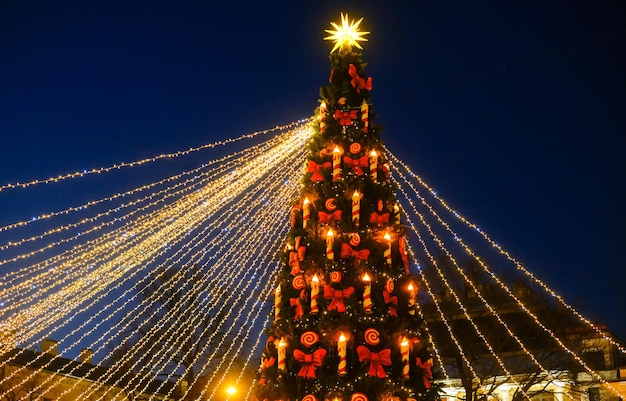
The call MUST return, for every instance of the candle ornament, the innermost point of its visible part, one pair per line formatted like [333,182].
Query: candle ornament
[336,164]
[315,291]
[306,212]
[367,294]
[342,369]
[356,208]
[374,165]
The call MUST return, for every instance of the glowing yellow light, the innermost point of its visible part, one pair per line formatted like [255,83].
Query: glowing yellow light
[315,278]
[330,233]
[404,342]
[231,390]
[342,337]
[366,277]
[346,35]
[387,236]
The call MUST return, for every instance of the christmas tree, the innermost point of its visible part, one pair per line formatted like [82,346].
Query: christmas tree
[346,323]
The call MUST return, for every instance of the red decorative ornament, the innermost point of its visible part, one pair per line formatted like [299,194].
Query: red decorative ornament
[316,168]
[337,297]
[404,254]
[355,148]
[309,397]
[357,82]
[348,252]
[357,164]
[376,359]
[295,257]
[326,218]
[309,338]
[371,336]
[428,373]
[345,117]
[390,300]
[330,204]
[298,282]
[379,218]
[309,362]
[359,397]
[355,239]
[297,304]
[335,277]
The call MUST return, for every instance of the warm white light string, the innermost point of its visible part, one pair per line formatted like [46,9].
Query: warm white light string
[502,285]
[244,159]
[401,186]
[223,164]
[451,290]
[228,285]
[74,286]
[244,257]
[502,251]
[151,159]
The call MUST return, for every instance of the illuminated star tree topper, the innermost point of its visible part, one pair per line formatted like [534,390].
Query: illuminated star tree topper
[346,35]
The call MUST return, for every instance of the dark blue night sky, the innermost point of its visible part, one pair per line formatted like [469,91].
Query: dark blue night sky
[514,111]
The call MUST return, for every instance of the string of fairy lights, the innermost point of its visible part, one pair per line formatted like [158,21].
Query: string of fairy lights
[168,284]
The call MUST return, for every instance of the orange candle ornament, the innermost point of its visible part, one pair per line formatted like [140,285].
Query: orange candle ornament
[323,114]
[330,254]
[365,115]
[341,350]
[387,253]
[336,164]
[367,294]
[306,212]
[411,299]
[374,165]
[277,300]
[356,208]
[404,352]
[315,291]
[282,355]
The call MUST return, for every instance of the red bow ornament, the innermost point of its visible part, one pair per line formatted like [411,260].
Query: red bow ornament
[357,164]
[428,372]
[265,364]
[345,117]
[315,168]
[295,302]
[295,257]
[357,82]
[379,219]
[309,362]
[392,302]
[326,218]
[348,252]
[404,254]
[337,297]
[376,359]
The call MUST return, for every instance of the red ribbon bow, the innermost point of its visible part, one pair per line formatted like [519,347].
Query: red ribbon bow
[428,372]
[299,311]
[358,82]
[328,217]
[376,359]
[379,219]
[345,117]
[265,363]
[392,301]
[357,164]
[347,252]
[295,257]
[404,254]
[337,297]
[315,168]
[309,362]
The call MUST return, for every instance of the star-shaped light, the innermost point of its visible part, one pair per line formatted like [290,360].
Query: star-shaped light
[346,35]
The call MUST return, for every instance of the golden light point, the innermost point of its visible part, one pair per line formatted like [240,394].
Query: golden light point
[373,153]
[342,337]
[306,201]
[315,278]
[346,35]
[404,342]
[366,277]
[231,390]
[336,150]
[410,287]
[329,233]
[387,236]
